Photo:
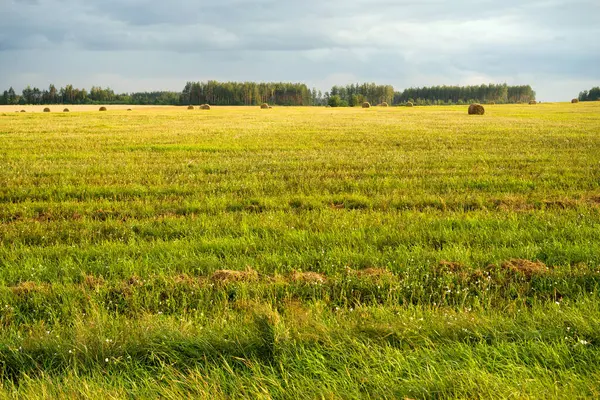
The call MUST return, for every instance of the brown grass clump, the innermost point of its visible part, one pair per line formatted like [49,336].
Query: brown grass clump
[533,102]
[525,267]
[307,277]
[574,101]
[384,104]
[451,266]
[226,276]
[92,282]
[476,109]
[66,110]
[102,109]
[25,288]
[264,106]
[366,104]
[374,273]
[190,107]
[205,107]
[409,104]
[46,109]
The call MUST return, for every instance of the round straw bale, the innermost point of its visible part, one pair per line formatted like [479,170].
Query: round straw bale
[476,109]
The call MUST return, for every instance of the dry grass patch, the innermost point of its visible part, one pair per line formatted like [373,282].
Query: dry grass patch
[92,282]
[306,277]
[451,266]
[28,287]
[525,267]
[226,276]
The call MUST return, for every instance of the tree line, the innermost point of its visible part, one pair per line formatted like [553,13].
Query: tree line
[279,93]
[96,95]
[590,95]
[355,94]
[497,93]
[246,93]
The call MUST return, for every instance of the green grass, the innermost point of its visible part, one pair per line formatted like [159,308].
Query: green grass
[113,224]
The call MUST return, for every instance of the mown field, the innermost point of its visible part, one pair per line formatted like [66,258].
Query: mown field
[301,253]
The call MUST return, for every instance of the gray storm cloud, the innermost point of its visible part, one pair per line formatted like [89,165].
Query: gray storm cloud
[149,44]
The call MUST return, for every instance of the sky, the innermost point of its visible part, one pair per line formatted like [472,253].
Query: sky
[143,45]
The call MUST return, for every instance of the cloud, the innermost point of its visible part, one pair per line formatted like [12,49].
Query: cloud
[405,43]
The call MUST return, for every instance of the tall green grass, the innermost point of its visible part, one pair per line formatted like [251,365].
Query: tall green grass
[113,224]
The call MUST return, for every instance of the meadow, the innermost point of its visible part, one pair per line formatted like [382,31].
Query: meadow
[300,252]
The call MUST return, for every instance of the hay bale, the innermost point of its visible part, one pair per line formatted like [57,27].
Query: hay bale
[190,107]
[23,111]
[129,109]
[270,107]
[574,101]
[491,103]
[533,102]
[384,104]
[409,104]
[46,109]
[66,110]
[476,109]
[264,106]
[366,104]
[205,107]
[102,109]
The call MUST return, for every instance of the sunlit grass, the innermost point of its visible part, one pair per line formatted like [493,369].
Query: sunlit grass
[112,225]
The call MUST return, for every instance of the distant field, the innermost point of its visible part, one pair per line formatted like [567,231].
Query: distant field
[300,252]
[84,107]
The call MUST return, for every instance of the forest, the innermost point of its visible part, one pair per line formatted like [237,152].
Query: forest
[590,95]
[280,93]
[497,93]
